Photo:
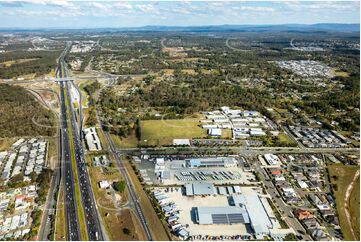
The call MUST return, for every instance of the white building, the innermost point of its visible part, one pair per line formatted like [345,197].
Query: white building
[103,184]
[92,139]
[272,159]
[215,132]
[181,142]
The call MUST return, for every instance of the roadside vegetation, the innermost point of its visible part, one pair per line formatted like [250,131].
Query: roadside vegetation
[60,228]
[340,178]
[21,114]
[156,227]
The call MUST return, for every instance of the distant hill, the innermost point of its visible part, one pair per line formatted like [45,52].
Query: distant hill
[256,28]
[325,27]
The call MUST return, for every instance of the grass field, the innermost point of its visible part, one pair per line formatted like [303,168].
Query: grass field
[339,73]
[128,142]
[340,178]
[162,132]
[60,218]
[19,61]
[354,205]
[285,138]
[5,143]
[157,230]
[226,133]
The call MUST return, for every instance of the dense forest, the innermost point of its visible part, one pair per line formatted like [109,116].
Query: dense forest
[23,63]
[20,113]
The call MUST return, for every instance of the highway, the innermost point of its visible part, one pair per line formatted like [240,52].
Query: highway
[71,216]
[87,202]
[91,216]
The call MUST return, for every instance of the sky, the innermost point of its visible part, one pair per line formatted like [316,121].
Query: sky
[116,14]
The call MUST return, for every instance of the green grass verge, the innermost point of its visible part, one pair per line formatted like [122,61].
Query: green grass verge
[340,178]
[155,225]
[60,233]
[102,138]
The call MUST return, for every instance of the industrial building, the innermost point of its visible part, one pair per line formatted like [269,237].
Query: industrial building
[221,215]
[212,162]
[247,209]
[215,132]
[92,139]
[181,142]
[200,189]
[259,219]
[272,159]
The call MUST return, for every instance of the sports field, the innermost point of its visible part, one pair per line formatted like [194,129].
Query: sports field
[162,132]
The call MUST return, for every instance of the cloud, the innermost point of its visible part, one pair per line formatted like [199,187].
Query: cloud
[123,5]
[255,9]
[146,8]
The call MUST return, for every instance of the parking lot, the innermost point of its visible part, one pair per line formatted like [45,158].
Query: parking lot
[179,174]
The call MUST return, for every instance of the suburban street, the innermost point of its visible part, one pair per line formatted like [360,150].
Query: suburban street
[281,206]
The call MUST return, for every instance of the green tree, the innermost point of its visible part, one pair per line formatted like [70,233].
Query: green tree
[119,186]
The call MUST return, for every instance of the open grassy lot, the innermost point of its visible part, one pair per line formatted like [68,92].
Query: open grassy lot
[354,205]
[128,142]
[162,132]
[53,152]
[119,222]
[19,61]
[60,233]
[339,73]
[340,178]
[157,230]
[5,143]
[284,138]
[122,225]
[101,136]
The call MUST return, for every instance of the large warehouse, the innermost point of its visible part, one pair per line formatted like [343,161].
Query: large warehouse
[247,209]
[212,162]
[200,189]
[259,219]
[221,215]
